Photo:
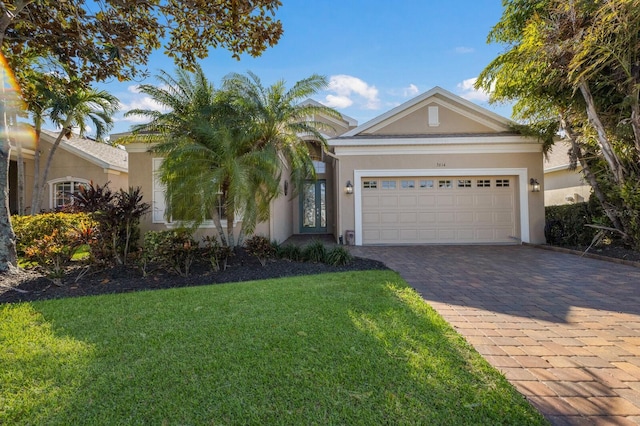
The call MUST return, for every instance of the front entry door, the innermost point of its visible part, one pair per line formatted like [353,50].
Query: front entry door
[313,207]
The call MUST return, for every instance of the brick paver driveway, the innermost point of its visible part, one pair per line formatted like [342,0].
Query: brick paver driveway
[564,330]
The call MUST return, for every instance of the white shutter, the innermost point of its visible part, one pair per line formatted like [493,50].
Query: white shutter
[158,202]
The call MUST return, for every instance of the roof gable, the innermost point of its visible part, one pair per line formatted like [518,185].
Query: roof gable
[434,112]
[100,154]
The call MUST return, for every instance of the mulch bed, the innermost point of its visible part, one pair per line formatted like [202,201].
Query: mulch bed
[28,285]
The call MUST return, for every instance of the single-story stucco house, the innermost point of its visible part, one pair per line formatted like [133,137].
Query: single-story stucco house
[562,184]
[77,161]
[437,169]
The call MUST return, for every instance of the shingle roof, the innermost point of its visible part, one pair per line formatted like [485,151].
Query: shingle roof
[558,158]
[98,153]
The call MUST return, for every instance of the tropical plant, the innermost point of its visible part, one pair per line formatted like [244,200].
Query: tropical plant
[338,256]
[278,119]
[222,148]
[172,250]
[573,69]
[290,252]
[74,109]
[314,251]
[261,248]
[218,254]
[96,41]
[118,216]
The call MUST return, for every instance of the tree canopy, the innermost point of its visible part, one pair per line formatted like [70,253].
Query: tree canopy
[573,68]
[225,149]
[50,43]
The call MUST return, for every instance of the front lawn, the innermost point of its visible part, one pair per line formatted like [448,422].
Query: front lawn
[343,348]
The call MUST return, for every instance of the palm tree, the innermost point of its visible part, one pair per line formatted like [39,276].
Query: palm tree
[278,118]
[75,107]
[211,169]
[223,148]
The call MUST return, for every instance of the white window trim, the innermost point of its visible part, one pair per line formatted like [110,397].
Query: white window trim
[52,183]
[158,199]
[521,173]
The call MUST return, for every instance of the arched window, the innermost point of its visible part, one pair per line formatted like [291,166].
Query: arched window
[61,191]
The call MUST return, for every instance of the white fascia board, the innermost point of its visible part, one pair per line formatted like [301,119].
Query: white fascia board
[139,147]
[456,140]
[438,149]
[561,167]
[521,173]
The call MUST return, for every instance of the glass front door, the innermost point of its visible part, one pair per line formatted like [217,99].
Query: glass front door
[313,207]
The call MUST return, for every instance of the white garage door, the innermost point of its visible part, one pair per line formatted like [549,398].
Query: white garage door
[415,210]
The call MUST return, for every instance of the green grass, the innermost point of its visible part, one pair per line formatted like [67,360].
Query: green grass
[357,348]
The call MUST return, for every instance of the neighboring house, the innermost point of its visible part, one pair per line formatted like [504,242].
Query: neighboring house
[436,169]
[563,185]
[77,161]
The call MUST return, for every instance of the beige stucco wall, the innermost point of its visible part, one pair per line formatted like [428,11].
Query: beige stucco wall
[565,186]
[68,166]
[417,122]
[141,174]
[436,162]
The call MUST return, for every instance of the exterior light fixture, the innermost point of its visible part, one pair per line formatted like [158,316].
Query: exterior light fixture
[348,187]
[535,185]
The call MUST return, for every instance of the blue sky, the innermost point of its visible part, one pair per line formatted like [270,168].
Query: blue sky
[376,54]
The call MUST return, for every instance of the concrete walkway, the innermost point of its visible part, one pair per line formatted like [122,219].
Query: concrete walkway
[564,330]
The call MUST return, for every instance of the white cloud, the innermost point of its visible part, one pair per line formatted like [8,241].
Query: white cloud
[346,88]
[410,91]
[335,101]
[468,92]
[464,50]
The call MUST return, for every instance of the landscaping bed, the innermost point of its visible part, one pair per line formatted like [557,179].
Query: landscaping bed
[32,286]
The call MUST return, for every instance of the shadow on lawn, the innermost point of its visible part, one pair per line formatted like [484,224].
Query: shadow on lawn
[351,348]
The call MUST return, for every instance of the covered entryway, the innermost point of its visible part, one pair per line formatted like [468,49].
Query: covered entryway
[439,209]
[313,207]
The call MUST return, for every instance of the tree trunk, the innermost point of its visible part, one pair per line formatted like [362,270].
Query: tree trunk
[635,120]
[607,150]
[36,172]
[20,169]
[218,223]
[590,177]
[8,256]
[45,172]
[230,236]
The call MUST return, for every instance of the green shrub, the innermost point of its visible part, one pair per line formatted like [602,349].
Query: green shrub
[565,225]
[29,229]
[290,252]
[218,254]
[338,256]
[118,215]
[260,247]
[315,251]
[51,239]
[172,250]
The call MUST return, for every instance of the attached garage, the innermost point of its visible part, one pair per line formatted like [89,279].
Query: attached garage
[439,209]
[439,169]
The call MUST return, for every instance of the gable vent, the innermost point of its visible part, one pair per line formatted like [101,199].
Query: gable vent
[434,120]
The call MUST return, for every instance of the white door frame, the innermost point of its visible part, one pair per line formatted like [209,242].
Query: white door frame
[521,173]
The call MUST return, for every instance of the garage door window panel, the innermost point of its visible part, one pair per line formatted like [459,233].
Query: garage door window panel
[426,184]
